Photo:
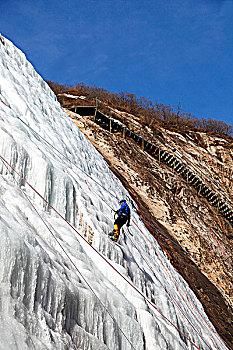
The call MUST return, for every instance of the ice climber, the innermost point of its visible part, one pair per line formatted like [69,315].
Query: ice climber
[123,217]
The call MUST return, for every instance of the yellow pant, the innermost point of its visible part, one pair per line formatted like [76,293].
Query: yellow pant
[116,232]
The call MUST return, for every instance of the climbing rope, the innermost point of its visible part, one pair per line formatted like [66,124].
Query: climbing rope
[60,155]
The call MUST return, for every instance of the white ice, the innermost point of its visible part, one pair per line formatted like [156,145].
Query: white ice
[55,289]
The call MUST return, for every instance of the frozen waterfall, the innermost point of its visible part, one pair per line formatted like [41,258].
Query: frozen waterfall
[56,291]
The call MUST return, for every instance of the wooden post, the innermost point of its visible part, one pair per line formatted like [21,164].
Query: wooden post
[110,124]
[143,144]
[96,108]
[200,188]
[95,111]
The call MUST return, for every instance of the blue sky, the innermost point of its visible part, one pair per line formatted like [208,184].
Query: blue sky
[177,52]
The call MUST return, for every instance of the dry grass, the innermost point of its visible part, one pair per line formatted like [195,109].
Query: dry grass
[150,114]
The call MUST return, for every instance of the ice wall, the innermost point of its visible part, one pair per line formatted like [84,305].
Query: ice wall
[56,292]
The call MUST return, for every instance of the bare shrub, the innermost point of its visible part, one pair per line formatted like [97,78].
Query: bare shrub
[57,88]
[150,114]
[216,126]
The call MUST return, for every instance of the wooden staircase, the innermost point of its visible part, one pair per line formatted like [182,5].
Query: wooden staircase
[163,156]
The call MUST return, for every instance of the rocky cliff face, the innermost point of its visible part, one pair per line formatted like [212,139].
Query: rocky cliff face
[197,238]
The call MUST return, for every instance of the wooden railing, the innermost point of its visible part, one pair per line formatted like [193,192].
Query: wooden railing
[214,197]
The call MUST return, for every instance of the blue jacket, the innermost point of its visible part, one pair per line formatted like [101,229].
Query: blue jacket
[124,210]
